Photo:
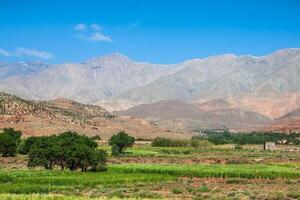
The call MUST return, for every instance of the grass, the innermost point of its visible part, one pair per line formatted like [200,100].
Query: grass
[214,171]
[215,152]
[158,180]
[52,197]
[42,181]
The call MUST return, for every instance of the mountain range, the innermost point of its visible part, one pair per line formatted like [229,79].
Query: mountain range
[267,87]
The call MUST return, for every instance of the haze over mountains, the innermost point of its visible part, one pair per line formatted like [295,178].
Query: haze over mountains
[268,86]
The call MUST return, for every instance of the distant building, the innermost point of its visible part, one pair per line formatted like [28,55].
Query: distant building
[269,146]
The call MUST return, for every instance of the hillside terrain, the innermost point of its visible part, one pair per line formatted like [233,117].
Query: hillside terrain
[290,122]
[188,116]
[52,117]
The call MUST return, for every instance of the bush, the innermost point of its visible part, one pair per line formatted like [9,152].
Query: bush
[120,141]
[161,142]
[143,139]
[238,147]
[196,143]
[96,137]
[9,141]
[177,191]
[6,178]
[166,142]
[98,161]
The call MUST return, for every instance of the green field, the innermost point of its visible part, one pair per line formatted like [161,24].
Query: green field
[145,172]
[215,171]
[74,183]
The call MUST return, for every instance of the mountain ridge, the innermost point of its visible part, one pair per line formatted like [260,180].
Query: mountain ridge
[116,79]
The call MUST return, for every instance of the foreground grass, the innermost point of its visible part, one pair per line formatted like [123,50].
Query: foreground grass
[214,171]
[55,197]
[42,181]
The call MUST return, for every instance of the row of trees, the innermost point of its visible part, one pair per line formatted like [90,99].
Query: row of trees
[66,150]
[226,137]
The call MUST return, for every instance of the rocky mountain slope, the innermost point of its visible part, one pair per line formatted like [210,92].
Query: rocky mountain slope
[88,82]
[267,85]
[59,115]
[21,68]
[231,77]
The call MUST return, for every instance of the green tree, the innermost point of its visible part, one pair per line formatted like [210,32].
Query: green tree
[43,153]
[120,142]
[26,145]
[68,149]
[9,141]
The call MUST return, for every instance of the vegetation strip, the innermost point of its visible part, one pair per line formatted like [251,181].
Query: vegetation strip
[47,181]
[214,171]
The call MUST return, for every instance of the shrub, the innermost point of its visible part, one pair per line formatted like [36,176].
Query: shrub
[142,139]
[166,142]
[196,143]
[122,141]
[96,137]
[161,142]
[238,147]
[98,161]
[9,141]
[203,188]
[6,178]
[177,191]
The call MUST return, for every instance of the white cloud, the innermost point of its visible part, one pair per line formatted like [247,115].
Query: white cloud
[95,27]
[98,37]
[5,53]
[34,53]
[92,33]
[80,27]
[27,52]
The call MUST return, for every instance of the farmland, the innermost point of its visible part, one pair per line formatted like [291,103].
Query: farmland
[215,172]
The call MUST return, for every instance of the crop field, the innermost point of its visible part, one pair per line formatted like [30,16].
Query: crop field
[215,171]
[146,172]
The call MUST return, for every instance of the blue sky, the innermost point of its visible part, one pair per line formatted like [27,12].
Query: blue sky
[145,30]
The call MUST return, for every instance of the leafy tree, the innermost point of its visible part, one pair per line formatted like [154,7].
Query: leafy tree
[80,158]
[68,149]
[26,145]
[120,142]
[9,141]
[43,153]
